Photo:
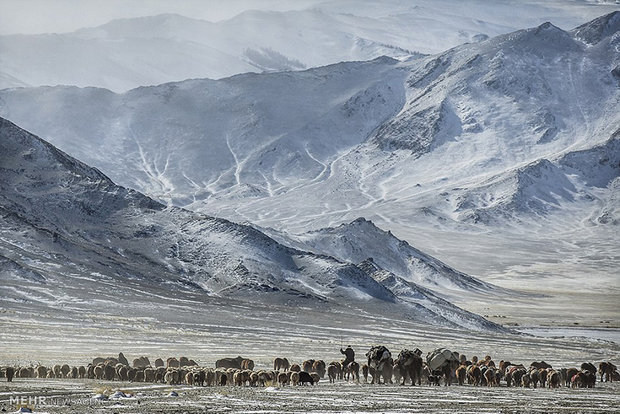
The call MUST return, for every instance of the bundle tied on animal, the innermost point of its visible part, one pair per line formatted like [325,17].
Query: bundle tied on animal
[380,359]
[445,361]
[409,364]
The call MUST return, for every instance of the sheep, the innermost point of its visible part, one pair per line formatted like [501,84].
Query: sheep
[90,371]
[281,363]
[139,376]
[189,378]
[131,374]
[247,364]
[307,365]
[169,377]
[109,372]
[238,379]
[172,363]
[338,366]
[210,378]
[121,372]
[199,378]
[24,372]
[65,370]
[149,375]
[332,373]
[461,374]
[98,371]
[319,368]
[9,372]
[294,377]
[305,378]
[41,371]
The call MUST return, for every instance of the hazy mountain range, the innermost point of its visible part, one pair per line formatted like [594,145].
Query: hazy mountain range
[128,53]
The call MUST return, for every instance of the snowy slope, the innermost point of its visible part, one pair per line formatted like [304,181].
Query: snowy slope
[128,53]
[246,136]
[448,135]
[498,157]
[361,241]
[68,232]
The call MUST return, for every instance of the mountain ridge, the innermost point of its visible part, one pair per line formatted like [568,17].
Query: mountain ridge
[66,216]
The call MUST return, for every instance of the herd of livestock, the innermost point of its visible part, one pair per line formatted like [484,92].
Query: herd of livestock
[379,367]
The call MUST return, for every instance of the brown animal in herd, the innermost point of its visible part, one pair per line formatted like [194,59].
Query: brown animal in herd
[229,362]
[337,368]
[607,370]
[281,363]
[461,374]
[247,364]
[307,365]
[319,368]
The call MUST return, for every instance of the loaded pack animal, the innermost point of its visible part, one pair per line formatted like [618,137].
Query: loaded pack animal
[445,361]
[409,364]
[380,359]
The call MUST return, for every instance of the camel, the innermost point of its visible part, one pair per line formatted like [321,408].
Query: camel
[380,358]
[229,362]
[409,364]
[445,361]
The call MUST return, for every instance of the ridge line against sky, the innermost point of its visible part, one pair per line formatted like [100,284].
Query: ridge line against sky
[63,16]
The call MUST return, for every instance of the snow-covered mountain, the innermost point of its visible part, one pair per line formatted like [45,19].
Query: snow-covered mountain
[456,135]
[499,157]
[128,53]
[362,241]
[69,233]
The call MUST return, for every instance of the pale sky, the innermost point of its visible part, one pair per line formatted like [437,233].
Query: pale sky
[60,16]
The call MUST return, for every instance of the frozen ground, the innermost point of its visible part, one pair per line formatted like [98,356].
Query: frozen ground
[73,396]
[209,331]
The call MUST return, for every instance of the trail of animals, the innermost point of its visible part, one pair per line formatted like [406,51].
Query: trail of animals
[409,367]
